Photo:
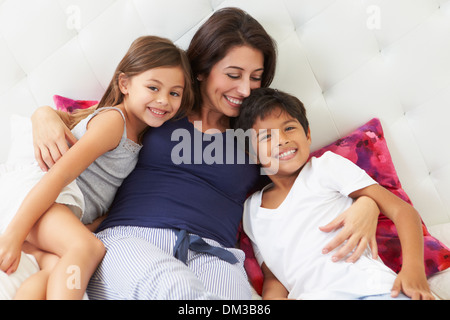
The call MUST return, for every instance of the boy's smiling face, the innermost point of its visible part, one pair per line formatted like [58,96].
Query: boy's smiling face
[283,147]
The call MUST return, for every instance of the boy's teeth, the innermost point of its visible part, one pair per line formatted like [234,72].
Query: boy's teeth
[287,153]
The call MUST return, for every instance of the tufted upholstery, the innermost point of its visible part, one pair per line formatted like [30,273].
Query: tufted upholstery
[348,60]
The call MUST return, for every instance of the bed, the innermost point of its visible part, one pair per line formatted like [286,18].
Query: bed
[348,61]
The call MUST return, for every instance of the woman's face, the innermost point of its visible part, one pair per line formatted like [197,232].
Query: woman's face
[232,79]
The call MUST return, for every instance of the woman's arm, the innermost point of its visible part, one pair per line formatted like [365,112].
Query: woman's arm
[51,136]
[273,289]
[359,224]
[104,134]
[412,278]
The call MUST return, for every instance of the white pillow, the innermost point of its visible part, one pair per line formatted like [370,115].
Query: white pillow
[21,140]
[21,152]
[10,284]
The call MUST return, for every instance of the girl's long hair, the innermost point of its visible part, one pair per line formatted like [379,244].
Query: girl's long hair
[145,53]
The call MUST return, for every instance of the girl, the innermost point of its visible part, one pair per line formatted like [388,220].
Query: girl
[151,85]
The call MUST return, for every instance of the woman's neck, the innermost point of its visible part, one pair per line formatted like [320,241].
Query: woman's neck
[210,120]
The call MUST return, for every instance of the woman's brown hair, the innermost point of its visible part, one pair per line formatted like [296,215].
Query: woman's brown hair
[225,29]
[146,53]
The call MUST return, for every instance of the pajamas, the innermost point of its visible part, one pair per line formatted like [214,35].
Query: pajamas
[386,296]
[139,265]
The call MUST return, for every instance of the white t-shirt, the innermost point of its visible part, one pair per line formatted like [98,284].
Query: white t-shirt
[289,241]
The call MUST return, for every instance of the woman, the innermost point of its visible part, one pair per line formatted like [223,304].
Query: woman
[172,228]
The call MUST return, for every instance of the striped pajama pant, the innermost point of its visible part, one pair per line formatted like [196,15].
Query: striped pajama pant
[139,265]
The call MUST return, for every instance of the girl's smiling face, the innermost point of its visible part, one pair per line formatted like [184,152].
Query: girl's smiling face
[232,79]
[283,146]
[154,96]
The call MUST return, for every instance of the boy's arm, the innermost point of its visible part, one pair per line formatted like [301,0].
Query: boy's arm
[273,289]
[412,279]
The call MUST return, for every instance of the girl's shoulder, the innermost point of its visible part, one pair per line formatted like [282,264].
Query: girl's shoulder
[110,118]
[115,115]
[107,124]
[112,112]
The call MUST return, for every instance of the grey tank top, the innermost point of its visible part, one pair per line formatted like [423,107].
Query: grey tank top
[100,181]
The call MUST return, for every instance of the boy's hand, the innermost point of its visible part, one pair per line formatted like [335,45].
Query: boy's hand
[10,252]
[413,284]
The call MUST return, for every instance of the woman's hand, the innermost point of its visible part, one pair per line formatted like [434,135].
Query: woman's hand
[51,137]
[359,224]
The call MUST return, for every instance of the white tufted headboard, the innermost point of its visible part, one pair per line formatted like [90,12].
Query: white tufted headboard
[347,60]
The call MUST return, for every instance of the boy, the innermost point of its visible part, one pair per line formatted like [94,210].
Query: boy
[283,219]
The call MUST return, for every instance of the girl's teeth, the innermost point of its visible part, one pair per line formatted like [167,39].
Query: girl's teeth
[158,112]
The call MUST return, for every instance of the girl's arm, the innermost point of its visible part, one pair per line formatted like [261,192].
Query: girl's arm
[359,225]
[273,289]
[94,225]
[411,279]
[51,136]
[104,134]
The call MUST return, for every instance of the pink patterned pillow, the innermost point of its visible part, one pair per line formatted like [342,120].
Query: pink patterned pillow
[69,105]
[366,147]
[251,265]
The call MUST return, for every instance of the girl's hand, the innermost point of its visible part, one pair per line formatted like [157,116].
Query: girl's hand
[94,225]
[413,283]
[10,252]
[51,137]
[359,225]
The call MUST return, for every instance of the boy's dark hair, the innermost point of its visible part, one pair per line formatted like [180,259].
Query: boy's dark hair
[263,101]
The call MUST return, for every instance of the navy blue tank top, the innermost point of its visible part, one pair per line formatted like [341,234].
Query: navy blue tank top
[186,180]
